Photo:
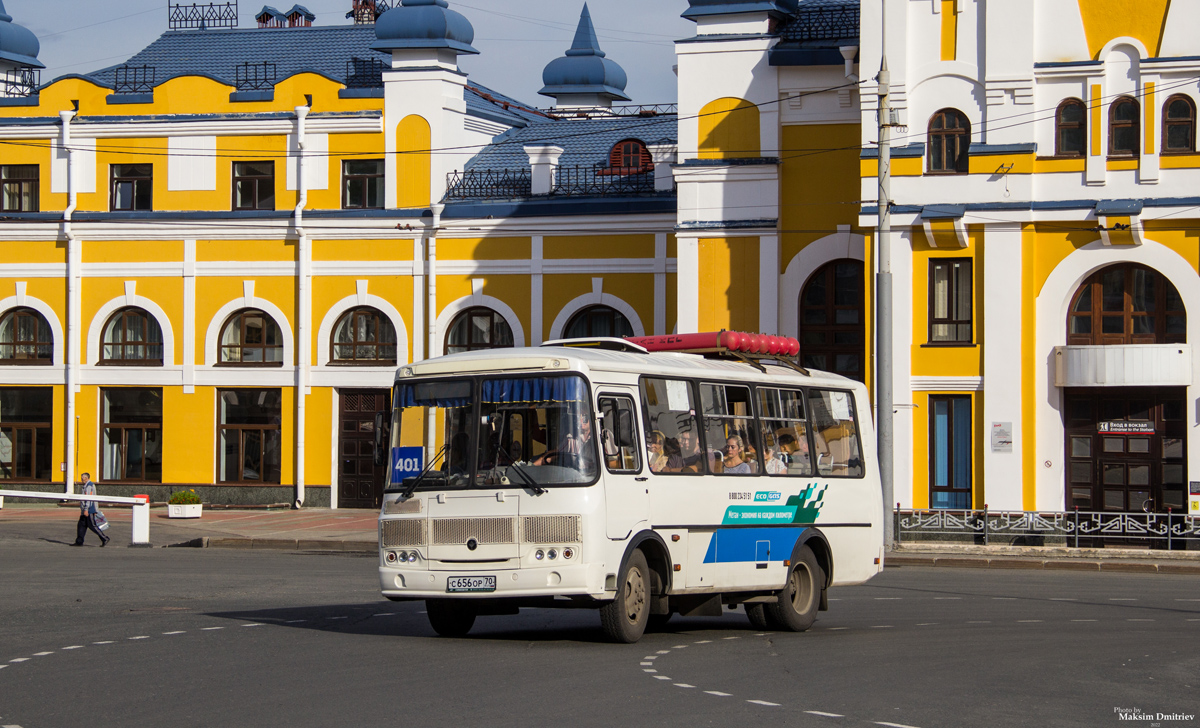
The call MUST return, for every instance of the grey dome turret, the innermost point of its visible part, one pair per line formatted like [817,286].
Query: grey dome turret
[423,24]
[584,76]
[18,44]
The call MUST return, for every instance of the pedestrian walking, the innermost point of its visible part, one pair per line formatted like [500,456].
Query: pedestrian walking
[88,510]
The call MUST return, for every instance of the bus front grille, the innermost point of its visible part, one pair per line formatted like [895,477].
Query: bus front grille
[402,532]
[483,530]
[550,529]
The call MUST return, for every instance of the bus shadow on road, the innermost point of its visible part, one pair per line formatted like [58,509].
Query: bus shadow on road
[408,619]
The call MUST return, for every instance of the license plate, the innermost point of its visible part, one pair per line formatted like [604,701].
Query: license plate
[459,584]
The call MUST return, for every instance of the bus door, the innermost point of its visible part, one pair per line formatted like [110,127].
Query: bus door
[625,489]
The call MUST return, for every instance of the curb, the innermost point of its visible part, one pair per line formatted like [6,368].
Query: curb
[975,562]
[283,544]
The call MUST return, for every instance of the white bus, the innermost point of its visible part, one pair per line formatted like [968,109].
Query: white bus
[642,483]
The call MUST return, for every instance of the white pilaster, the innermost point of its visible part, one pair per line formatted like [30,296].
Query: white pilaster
[768,284]
[660,284]
[687,285]
[189,317]
[1002,298]
[535,311]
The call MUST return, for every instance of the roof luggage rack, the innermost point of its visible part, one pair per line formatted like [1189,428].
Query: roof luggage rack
[753,349]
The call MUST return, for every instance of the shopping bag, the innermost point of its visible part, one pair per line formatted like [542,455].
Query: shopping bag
[100,521]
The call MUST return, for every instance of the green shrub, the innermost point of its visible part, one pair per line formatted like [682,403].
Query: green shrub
[184,498]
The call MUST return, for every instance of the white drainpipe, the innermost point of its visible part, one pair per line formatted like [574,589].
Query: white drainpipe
[304,274]
[73,301]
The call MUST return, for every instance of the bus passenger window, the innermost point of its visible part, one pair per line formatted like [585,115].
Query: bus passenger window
[838,452]
[784,432]
[618,435]
[670,412]
[729,427]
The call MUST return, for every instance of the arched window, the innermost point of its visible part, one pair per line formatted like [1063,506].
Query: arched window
[631,155]
[252,338]
[476,329]
[949,140]
[364,336]
[1126,304]
[25,338]
[595,321]
[1179,125]
[1070,129]
[832,332]
[1124,128]
[132,337]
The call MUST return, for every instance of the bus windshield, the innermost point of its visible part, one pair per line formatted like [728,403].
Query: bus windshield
[531,431]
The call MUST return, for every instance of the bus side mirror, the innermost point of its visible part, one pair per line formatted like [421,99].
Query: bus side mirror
[380,441]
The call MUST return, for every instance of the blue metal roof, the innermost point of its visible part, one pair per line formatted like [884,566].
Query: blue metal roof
[18,44]
[585,142]
[584,69]
[424,24]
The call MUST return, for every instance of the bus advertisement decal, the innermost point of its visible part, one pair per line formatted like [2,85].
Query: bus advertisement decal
[759,514]
[735,545]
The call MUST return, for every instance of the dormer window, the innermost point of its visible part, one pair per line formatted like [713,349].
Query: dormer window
[630,156]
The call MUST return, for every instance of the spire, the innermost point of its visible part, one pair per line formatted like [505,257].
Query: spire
[6,18]
[585,43]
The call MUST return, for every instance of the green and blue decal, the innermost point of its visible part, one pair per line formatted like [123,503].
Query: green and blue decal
[776,539]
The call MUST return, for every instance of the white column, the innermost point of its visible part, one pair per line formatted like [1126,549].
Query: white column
[418,314]
[535,294]
[687,285]
[1001,300]
[189,316]
[660,284]
[902,393]
[768,284]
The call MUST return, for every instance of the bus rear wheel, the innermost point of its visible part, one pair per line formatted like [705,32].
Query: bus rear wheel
[624,618]
[450,617]
[800,598]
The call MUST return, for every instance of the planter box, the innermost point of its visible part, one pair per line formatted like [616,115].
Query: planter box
[184,511]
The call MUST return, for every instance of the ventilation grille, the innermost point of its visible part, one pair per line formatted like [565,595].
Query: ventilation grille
[483,530]
[550,529]
[402,532]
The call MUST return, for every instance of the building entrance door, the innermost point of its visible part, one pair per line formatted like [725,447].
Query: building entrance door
[1126,449]
[360,482]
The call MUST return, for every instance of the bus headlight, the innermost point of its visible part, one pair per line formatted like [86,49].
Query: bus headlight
[568,552]
[553,554]
[539,554]
[412,557]
[390,557]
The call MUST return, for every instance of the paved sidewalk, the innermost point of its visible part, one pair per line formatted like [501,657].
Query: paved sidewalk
[1043,557]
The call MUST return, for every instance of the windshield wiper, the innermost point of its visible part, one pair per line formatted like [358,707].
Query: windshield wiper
[530,482]
[514,466]
[407,490]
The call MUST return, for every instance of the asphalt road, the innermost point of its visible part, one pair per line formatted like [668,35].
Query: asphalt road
[209,637]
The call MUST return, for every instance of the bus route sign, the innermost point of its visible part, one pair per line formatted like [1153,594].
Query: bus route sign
[407,462]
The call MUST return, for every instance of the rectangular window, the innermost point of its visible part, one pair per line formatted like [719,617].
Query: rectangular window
[837,448]
[132,447]
[20,187]
[362,184]
[254,185]
[670,411]
[950,300]
[26,437]
[950,452]
[132,187]
[618,435]
[729,430]
[784,432]
[250,445]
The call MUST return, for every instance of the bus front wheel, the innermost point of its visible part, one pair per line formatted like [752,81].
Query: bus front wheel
[624,618]
[800,598]
[450,617]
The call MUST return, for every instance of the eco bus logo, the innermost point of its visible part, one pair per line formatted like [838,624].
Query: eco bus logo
[808,503]
[764,496]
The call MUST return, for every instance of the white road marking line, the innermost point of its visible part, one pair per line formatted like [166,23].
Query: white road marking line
[926,624]
[888,599]
[731,638]
[761,634]
[684,685]
[881,626]
[383,614]
[1027,621]
[209,629]
[763,702]
[664,652]
[73,647]
[678,647]
[648,670]
[894,725]
[834,629]
[644,664]
[718,693]
[252,624]
[19,659]
[1139,620]
[661,677]
[827,715]
[43,654]
[105,642]
[3,666]
[650,657]
[140,637]
[1122,599]
[295,621]
[946,599]
[1085,620]
[11,726]
[178,631]
[1194,620]
[702,642]
[1005,599]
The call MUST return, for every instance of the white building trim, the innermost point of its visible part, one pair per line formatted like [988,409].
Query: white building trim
[477,299]
[1051,306]
[213,333]
[840,245]
[595,299]
[21,300]
[96,329]
[356,301]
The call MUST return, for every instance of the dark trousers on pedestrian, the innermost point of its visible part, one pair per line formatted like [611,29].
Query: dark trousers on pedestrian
[85,523]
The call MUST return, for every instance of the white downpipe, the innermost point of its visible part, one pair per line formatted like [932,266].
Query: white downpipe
[432,313]
[304,304]
[73,301]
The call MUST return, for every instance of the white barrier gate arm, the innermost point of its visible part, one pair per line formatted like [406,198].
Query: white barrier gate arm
[141,508]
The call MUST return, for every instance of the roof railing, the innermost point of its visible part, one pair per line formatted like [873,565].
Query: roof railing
[255,76]
[569,181]
[640,110]
[195,16]
[133,79]
[488,184]
[22,82]
[822,22]
[364,73]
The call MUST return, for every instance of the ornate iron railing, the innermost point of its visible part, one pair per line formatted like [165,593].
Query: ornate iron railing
[1069,528]
[621,111]
[602,181]
[364,73]
[182,17]
[22,81]
[823,23]
[487,184]
[254,76]
[133,79]
[366,12]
